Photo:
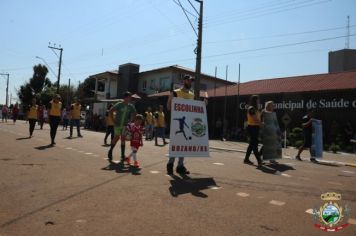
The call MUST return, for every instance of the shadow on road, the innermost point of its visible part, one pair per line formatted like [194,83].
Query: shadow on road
[275,168]
[23,138]
[119,168]
[41,148]
[188,185]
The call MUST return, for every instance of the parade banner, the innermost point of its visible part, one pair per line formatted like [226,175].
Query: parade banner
[317,139]
[189,135]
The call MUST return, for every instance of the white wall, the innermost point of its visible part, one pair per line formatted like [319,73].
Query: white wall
[158,78]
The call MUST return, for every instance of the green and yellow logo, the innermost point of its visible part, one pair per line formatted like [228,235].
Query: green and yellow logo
[330,215]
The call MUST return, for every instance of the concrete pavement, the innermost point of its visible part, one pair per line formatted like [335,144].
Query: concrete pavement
[71,189]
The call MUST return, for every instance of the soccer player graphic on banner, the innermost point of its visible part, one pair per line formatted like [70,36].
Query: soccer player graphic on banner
[181,126]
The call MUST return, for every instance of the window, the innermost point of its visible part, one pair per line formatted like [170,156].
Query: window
[152,85]
[164,83]
[144,85]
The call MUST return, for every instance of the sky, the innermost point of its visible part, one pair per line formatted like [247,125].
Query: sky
[268,38]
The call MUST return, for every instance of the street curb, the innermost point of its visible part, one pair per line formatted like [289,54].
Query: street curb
[287,157]
[227,149]
[350,164]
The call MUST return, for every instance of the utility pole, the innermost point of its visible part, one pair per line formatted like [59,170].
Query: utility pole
[238,101]
[7,87]
[68,93]
[60,63]
[199,49]
[347,40]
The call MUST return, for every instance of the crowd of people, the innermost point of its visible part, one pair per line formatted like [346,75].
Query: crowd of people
[124,124]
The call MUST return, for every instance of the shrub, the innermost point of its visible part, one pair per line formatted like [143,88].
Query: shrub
[299,143]
[334,148]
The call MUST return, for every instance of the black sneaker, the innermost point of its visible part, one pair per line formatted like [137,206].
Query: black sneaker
[248,162]
[313,160]
[80,136]
[298,158]
[182,170]
[170,169]
[110,155]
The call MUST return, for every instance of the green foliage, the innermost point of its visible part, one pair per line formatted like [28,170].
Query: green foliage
[334,148]
[299,143]
[85,89]
[35,86]
[295,136]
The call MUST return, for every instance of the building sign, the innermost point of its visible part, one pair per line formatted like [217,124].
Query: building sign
[339,103]
[189,129]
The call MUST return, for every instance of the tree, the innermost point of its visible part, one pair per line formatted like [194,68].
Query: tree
[36,85]
[85,89]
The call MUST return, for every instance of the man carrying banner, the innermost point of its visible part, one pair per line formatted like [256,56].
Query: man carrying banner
[185,93]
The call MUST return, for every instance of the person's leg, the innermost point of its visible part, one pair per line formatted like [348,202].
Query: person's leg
[249,147]
[181,168]
[71,127]
[123,145]
[163,131]
[156,134]
[111,128]
[147,132]
[57,120]
[32,123]
[170,165]
[77,122]
[107,134]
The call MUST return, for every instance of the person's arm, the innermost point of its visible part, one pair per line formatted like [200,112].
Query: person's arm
[169,101]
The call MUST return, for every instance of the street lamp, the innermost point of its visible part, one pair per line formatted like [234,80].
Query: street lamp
[7,87]
[44,61]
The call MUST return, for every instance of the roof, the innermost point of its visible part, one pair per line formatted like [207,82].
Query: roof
[184,70]
[203,94]
[306,83]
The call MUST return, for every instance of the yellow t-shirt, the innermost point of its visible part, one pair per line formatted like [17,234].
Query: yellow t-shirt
[160,120]
[76,111]
[254,120]
[55,109]
[32,113]
[182,94]
[149,118]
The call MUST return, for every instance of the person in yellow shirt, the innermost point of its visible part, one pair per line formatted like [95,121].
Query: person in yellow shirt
[54,112]
[109,125]
[160,125]
[32,115]
[75,118]
[253,129]
[149,123]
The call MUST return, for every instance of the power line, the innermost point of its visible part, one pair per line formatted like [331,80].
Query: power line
[185,13]
[267,12]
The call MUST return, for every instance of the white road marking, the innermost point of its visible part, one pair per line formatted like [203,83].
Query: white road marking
[349,172]
[88,153]
[218,164]
[277,203]
[352,221]
[81,221]
[80,151]
[286,175]
[69,148]
[310,211]
[98,156]
[214,187]
[154,171]
[243,194]
[335,183]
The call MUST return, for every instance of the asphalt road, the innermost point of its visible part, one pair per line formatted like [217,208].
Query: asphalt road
[71,189]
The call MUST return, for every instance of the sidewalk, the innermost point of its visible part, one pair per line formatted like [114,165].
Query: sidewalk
[342,159]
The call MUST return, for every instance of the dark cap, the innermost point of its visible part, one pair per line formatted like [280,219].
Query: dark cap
[188,77]
[127,94]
